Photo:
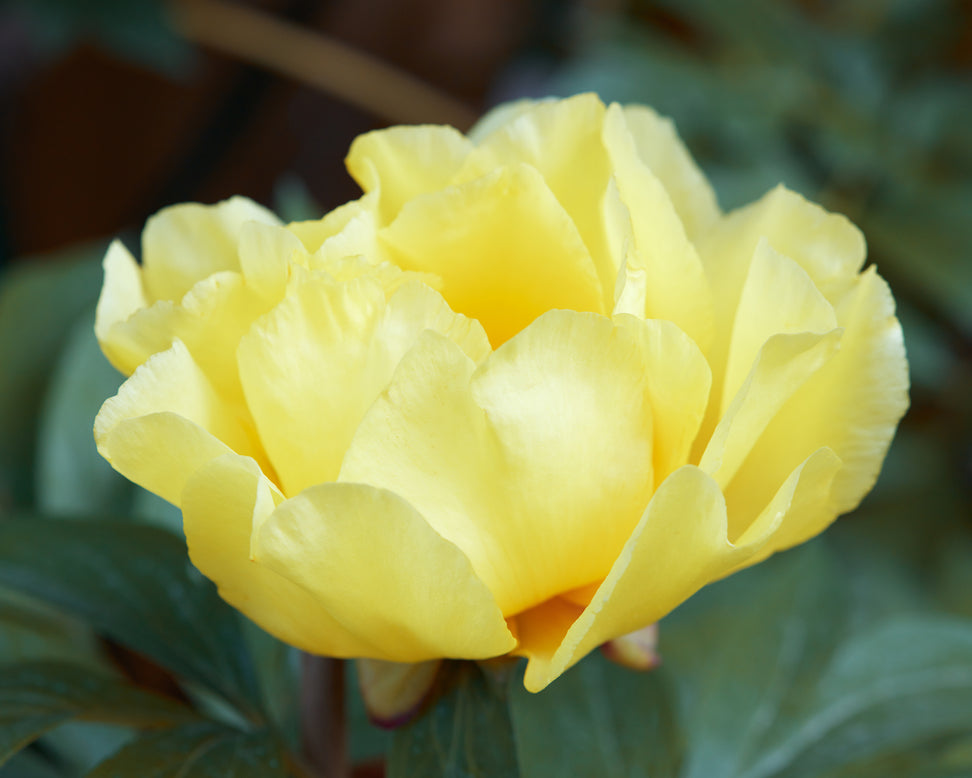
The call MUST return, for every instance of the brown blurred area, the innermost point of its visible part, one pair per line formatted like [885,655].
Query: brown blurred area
[93,144]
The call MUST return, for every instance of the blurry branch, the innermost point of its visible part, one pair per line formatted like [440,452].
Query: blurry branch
[329,65]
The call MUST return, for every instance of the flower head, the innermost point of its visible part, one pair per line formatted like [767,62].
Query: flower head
[528,394]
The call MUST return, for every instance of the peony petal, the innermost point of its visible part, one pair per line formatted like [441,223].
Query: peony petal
[525,463]
[380,570]
[637,650]
[852,405]
[400,163]
[777,298]
[500,115]
[678,546]
[504,247]
[121,296]
[313,232]
[826,245]
[784,364]
[660,148]
[185,243]
[165,422]
[266,253]
[562,140]
[394,692]
[313,365]
[677,289]
[221,503]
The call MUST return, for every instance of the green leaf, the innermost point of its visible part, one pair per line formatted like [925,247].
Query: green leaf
[71,477]
[204,750]
[599,719]
[37,696]
[135,584]
[467,734]
[29,630]
[39,302]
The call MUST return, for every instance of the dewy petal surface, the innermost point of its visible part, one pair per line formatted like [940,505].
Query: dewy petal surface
[312,367]
[185,243]
[504,247]
[382,572]
[221,503]
[525,462]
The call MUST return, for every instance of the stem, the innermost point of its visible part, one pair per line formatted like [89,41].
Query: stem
[257,37]
[323,724]
[323,728]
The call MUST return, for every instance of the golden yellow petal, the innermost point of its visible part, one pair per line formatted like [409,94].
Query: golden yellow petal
[562,140]
[221,503]
[185,243]
[400,163]
[382,572]
[677,289]
[660,148]
[504,247]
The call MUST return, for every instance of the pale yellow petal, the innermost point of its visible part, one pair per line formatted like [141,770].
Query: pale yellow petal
[314,364]
[183,244]
[525,463]
[677,381]
[221,503]
[852,405]
[826,245]
[562,140]
[504,247]
[165,422]
[784,364]
[121,296]
[660,148]
[395,692]
[777,298]
[382,572]
[266,254]
[677,289]
[498,116]
[313,232]
[677,547]
[402,162]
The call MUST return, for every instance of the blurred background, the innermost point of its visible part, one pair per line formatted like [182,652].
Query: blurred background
[112,109]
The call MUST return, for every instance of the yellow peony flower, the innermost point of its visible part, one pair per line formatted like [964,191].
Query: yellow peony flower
[528,394]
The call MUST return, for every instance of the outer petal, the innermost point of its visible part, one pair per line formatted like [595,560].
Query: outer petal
[121,295]
[826,245]
[266,253]
[679,545]
[526,463]
[852,405]
[381,571]
[562,140]
[166,422]
[185,243]
[312,366]
[221,503]
[677,289]
[504,247]
[314,232]
[660,148]
[400,163]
